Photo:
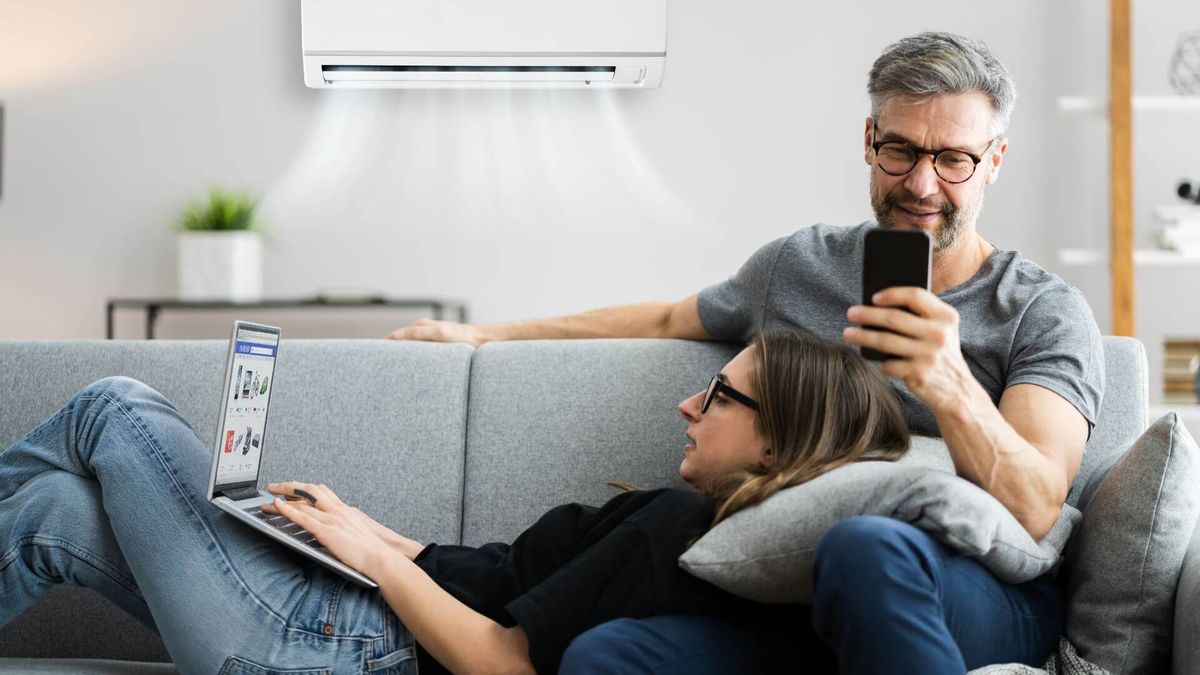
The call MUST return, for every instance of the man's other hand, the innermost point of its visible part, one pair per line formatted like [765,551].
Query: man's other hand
[438,331]
[925,343]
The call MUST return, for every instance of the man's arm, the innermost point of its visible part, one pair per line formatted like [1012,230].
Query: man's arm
[1025,452]
[647,320]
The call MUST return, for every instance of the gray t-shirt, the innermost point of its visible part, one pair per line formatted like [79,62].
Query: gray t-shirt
[1017,322]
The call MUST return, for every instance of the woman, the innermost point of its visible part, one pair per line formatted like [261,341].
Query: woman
[109,493]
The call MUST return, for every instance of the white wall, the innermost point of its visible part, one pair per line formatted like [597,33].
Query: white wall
[522,203]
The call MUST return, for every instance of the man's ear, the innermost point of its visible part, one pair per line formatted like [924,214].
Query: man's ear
[867,152]
[996,159]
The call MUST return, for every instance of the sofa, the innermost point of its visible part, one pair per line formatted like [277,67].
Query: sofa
[443,443]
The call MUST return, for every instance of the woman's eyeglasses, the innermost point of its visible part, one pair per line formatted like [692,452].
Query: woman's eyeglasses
[718,386]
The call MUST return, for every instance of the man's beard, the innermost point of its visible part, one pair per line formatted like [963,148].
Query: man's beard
[954,219]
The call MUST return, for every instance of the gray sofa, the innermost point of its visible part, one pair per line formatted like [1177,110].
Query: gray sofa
[441,442]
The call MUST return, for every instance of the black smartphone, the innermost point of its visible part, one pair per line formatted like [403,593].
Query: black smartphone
[893,258]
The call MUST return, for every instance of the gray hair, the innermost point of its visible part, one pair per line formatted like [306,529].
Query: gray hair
[928,64]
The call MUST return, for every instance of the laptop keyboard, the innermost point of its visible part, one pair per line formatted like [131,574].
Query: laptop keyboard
[287,527]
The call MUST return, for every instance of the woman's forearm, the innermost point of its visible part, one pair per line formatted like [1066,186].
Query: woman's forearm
[461,639]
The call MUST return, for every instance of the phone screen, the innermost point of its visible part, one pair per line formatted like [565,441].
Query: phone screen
[894,258]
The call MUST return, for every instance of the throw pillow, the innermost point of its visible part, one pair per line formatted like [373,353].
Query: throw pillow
[1123,569]
[766,552]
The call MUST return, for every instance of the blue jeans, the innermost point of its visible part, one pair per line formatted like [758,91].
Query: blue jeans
[887,598]
[109,493]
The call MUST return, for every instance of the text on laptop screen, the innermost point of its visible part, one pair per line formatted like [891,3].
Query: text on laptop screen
[246,406]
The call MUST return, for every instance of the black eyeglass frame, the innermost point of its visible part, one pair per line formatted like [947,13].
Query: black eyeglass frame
[717,386]
[917,152]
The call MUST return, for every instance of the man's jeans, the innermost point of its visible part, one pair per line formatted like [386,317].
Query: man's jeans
[888,598]
[109,493]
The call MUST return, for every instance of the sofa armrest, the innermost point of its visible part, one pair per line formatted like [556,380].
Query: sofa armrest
[1185,658]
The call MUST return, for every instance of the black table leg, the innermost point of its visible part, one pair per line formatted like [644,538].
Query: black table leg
[108,322]
[151,318]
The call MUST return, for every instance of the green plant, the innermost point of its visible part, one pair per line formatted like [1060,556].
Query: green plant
[224,211]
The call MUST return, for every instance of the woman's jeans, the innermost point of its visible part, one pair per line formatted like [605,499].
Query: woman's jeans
[110,493]
[887,598]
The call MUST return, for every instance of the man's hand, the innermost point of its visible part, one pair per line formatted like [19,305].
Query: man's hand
[352,536]
[439,331]
[928,356]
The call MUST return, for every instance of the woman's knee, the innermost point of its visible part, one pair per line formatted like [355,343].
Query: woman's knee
[119,388]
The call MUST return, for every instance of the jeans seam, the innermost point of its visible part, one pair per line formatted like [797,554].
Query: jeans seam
[80,554]
[160,456]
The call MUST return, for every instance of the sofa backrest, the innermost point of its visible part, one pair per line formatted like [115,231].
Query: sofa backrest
[553,421]
[1124,415]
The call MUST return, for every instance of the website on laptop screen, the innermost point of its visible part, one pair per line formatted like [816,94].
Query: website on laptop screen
[246,406]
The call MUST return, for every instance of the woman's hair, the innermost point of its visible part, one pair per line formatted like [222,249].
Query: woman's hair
[821,406]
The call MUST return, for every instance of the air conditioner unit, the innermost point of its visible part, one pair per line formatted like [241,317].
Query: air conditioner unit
[428,44]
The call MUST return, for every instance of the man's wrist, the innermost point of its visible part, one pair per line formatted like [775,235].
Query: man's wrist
[484,334]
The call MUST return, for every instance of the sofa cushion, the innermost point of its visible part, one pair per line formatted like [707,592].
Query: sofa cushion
[766,552]
[1123,569]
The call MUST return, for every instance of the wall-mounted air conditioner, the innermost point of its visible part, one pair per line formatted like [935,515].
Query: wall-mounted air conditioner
[483,43]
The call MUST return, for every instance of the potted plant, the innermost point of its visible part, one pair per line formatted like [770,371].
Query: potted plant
[220,248]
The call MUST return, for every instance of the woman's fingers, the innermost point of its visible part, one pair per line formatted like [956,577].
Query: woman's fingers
[300,512]
[316,493]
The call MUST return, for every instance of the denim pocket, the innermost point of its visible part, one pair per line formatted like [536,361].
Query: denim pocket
[238,666]
[400,662]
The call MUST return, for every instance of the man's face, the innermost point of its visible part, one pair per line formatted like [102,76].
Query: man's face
[920,199]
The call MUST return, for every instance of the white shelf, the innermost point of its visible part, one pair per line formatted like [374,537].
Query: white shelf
[1141,256]
[1092,104]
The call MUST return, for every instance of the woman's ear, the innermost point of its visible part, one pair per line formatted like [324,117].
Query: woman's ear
[768,458]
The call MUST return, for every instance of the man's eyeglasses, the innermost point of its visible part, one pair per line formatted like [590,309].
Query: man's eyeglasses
[718,386]
[953,166]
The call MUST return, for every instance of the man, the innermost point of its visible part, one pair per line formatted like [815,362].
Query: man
[1001,359]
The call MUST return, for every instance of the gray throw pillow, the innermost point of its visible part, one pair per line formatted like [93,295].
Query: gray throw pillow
[766,552]
[1123,568]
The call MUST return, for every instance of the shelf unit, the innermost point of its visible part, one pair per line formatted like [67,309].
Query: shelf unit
[1122,259]
[1090,104]
[1150,257]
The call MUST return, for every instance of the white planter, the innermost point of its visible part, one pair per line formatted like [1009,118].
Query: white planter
[220,266]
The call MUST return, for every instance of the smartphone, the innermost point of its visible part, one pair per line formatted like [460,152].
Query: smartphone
[894,258]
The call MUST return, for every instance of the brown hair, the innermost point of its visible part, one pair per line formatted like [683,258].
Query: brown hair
[821,406]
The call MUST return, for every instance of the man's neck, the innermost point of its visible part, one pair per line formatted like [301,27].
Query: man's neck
[959,263]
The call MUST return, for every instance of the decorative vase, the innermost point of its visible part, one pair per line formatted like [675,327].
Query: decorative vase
[220,265]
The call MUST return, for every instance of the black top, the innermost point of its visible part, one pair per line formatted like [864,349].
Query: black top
[579,566]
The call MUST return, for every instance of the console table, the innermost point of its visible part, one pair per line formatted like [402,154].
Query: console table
[153,307]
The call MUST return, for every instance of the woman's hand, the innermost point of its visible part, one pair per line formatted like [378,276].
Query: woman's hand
[349,534]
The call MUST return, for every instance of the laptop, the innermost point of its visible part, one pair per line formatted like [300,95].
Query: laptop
[234,480]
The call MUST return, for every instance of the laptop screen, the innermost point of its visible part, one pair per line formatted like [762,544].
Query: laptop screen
[245,406]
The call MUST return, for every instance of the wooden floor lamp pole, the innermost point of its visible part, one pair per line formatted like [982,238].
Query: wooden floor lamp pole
[1120,115]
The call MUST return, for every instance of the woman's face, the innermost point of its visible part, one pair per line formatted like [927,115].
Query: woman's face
[724,438]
